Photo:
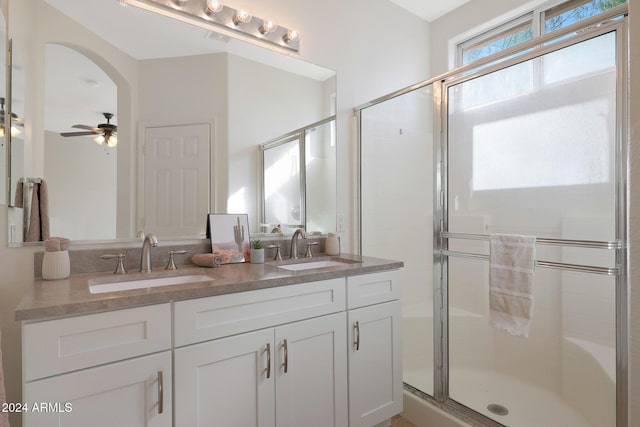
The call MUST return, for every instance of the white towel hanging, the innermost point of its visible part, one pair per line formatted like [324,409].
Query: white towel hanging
[511,279]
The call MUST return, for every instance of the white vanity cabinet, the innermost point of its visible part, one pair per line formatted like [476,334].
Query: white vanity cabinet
[103,369]
[288,373]
[289,376]
[375,365]
[314,354]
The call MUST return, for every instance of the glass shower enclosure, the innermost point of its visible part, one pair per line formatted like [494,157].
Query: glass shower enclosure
[530,145]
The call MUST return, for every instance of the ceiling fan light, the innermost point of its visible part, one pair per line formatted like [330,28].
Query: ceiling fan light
[99,139]
[112,141]
[14,131]
[1,131]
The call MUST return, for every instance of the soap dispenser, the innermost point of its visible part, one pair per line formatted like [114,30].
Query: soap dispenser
[332,245]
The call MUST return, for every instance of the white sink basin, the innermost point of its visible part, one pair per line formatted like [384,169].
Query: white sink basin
[312,265]
[100,288]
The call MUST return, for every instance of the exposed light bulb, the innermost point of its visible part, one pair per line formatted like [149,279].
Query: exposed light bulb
[291,36]
[15,131]
[268,27]
[112,141]
[213,6]
[99,139]
[242,17]
[1,131]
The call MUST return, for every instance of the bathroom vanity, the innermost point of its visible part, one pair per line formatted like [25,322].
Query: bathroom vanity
[256,345]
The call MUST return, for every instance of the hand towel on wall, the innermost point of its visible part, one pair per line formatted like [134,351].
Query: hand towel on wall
[18,202]
[511,278]
[39,219]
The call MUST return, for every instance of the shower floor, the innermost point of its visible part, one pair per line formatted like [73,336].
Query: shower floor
[528,406]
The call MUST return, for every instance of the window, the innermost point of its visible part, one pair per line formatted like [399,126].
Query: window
[496,40]
[571,12]
[522,29]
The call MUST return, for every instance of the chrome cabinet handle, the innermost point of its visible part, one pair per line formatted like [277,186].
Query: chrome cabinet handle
[286,356]
[160,393]
[356,328]
[268,360]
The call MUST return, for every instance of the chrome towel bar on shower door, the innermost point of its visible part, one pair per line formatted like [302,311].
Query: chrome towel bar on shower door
[590,244]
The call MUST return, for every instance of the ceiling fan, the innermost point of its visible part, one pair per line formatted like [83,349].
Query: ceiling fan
[15,120]
[106,132]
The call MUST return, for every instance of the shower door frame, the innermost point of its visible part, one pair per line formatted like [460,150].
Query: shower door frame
[588,28]
[441,229]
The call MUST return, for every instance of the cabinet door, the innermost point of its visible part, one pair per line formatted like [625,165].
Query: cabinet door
[136,392]
[311,379]
[375,364]
[226,382]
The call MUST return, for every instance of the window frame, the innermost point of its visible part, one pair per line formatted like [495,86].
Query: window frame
[537,16]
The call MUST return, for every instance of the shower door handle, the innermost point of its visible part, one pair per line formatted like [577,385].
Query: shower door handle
[356,331]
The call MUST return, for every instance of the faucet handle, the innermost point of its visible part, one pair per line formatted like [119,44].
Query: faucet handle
[278,255]
[120,267]
[171,265]
[308,254]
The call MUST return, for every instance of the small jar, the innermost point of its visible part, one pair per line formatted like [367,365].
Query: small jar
[332,244]
[55,265]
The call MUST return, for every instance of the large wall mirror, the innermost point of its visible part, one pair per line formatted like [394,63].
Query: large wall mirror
[3,97]
[191,108]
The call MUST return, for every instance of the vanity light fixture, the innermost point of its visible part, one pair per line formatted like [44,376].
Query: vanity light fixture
[242,17]
[267,27]
[213,7]
[214,16]
[291,36]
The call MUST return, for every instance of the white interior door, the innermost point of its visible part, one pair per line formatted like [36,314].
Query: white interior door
[176,179]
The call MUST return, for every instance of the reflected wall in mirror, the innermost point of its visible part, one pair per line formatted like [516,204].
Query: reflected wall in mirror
[298,175]
[156,72]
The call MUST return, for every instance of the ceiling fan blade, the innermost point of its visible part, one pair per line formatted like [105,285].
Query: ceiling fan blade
[86,127]
[78,133]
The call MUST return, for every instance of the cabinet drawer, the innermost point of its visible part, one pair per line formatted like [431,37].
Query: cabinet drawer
[128,393]
[374,288]
[64,345]
[219,316]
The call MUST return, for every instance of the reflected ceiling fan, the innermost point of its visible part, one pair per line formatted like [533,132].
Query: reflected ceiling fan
[15,120]
[106,132]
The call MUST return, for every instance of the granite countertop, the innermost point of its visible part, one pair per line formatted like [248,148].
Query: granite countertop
[68,297]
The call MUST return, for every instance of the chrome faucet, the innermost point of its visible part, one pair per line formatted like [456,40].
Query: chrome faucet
[293,251]
[145,258]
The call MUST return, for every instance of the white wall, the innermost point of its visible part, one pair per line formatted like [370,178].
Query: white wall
[89,172]
[264,103]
